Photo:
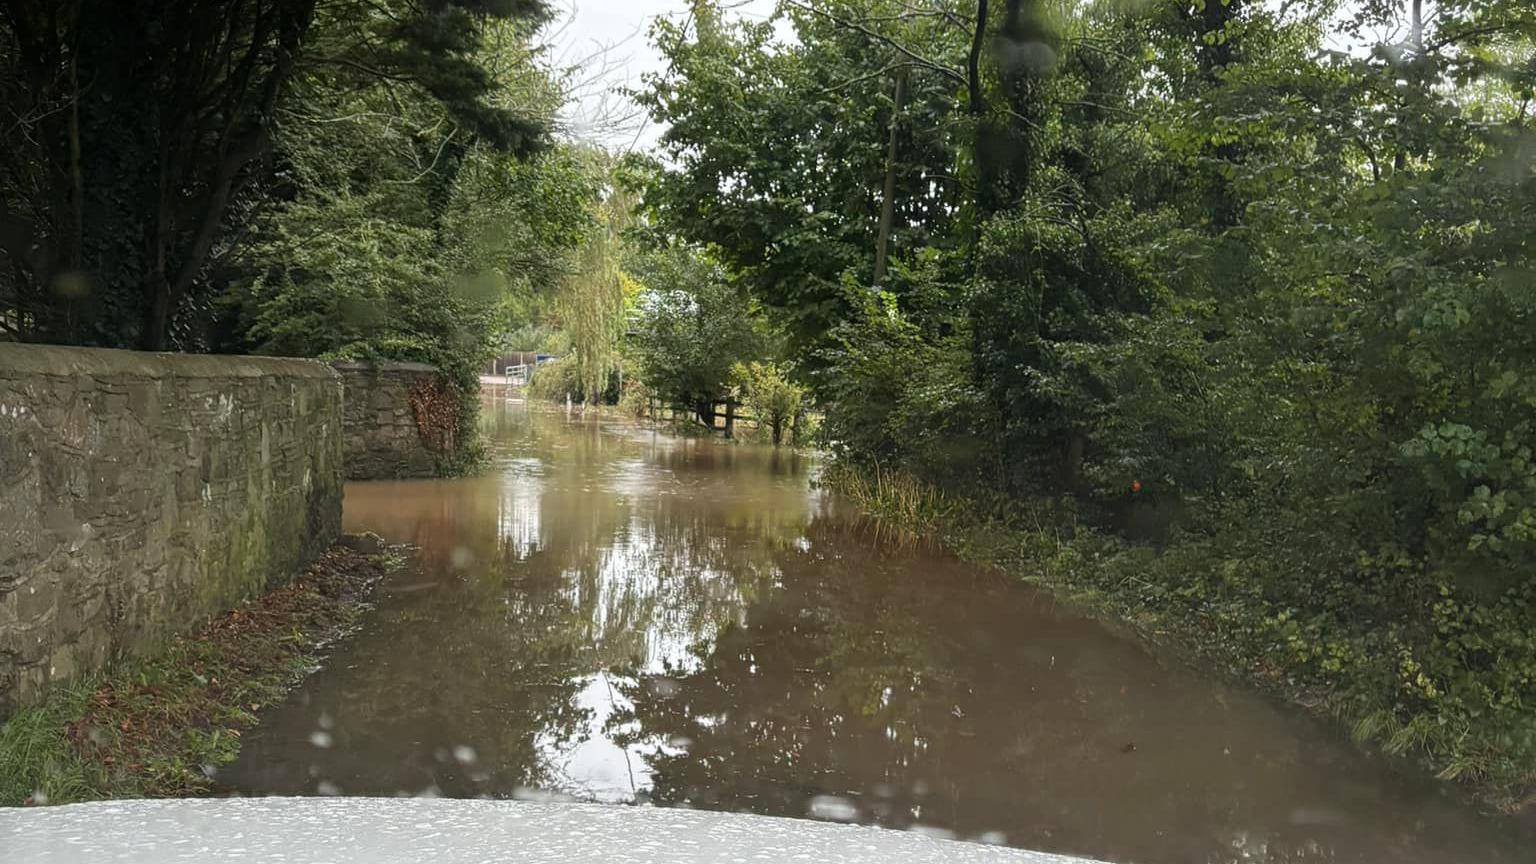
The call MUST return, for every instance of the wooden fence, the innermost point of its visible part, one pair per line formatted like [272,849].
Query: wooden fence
[726,415]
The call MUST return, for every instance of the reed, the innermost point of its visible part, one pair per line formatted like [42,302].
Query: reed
[898,507]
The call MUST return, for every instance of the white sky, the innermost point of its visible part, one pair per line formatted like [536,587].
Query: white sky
[608,38]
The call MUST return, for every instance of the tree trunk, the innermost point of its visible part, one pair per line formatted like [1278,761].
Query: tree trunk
[1222,203]
[76,197]
[157,315]
[980,195]
[973,61]
[1072,464]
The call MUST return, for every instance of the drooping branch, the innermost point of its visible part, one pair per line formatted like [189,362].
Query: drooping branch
[868,76]
[1470,33]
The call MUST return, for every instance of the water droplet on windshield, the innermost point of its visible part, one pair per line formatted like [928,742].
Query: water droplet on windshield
[833,808]
[461,557]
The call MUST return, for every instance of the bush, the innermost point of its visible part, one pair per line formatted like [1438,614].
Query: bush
[773,399]
[899,397]
[554,380]
[635,401]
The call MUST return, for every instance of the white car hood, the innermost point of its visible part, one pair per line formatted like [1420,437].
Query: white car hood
[442,831]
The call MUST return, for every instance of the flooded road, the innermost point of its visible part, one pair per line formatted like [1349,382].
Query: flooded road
[611,614]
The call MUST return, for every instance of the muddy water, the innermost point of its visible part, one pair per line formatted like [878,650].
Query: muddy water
[611,614]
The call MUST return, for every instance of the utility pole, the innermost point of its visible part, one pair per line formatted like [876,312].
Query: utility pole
[888,204]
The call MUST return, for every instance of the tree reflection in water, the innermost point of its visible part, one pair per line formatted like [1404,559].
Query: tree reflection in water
[908,691]
[617,615]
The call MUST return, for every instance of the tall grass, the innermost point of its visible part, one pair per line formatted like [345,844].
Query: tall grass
[38,762]
[897,507]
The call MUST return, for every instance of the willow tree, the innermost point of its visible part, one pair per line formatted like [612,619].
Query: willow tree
[592,296]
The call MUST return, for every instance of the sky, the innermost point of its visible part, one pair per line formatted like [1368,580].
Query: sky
[607,38]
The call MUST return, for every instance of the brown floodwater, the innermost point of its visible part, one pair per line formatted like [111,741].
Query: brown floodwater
[613,614]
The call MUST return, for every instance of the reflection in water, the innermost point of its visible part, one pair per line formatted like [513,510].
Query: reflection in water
[614,615]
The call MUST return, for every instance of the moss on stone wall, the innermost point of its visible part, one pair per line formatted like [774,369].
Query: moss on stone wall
[162,724]
[148,491]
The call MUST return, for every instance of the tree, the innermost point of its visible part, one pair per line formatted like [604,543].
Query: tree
[695,325]
[1174,253]
[592,297]
[773,398]
[137,133]
[376,244]
[778,152]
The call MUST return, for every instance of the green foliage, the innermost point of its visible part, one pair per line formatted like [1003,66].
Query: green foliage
[144,134]
[440,48]
[592,298]
[777,153]
[1203,281]
[36,759]
[635,400]
[774,400]
[387,248]
[900,507]
[694,326]
[554,380]
[1051,296]
[901,397]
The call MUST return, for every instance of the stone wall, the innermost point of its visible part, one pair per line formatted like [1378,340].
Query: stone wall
[381,437]
[146,492]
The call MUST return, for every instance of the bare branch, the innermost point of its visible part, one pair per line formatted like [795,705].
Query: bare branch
[365,69]
[915,57]
[859,79]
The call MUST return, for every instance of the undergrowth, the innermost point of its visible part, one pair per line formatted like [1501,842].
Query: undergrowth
[1403,661]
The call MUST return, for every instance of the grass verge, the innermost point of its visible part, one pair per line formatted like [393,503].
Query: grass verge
[157,726]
